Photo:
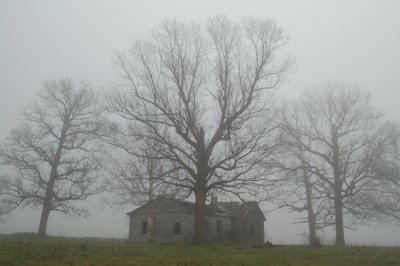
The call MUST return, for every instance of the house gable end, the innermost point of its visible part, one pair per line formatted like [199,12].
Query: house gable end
[254,210]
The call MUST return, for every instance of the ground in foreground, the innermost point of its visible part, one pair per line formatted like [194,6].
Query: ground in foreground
[23,250]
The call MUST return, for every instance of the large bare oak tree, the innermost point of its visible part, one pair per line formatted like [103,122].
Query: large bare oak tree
[347,144]
[52,155]
[205,97]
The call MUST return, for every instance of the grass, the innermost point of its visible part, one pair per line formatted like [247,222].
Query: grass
[25,250]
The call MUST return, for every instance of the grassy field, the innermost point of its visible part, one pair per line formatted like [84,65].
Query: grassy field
[23,250]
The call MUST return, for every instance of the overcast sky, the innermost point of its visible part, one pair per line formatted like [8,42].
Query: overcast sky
[356,42]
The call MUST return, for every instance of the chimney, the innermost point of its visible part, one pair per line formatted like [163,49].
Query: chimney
[214,200]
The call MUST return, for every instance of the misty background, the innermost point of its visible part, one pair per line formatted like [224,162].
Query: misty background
[354,42]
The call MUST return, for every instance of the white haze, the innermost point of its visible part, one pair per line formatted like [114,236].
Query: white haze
[355,42]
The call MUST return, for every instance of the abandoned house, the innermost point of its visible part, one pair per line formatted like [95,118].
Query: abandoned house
[172,221]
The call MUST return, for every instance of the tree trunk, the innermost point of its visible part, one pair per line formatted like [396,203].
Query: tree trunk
[200,191]
[312,236]
[151,188]
[47,204]
[52,179]
[337,188]
[339,220]
[199,235]
[43,220]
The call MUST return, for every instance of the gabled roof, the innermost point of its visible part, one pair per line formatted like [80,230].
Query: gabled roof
[221,209]
[240,210]
[188,205]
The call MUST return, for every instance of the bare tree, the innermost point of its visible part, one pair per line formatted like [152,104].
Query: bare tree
[344,140]
[297,195]
[7,201]
[203,98]
[298,189]
[135,174]
[53,156]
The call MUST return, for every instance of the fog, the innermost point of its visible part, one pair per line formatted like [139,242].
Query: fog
[355,42]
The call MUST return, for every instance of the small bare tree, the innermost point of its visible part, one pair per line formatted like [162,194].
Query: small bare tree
[135,174]
[345,140]
[7,201]
[297,194]
[53,156]
[203,99]
[299,187]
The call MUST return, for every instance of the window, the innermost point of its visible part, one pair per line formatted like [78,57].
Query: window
[144,227]
[177,228]
[252,230]
[219,226]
